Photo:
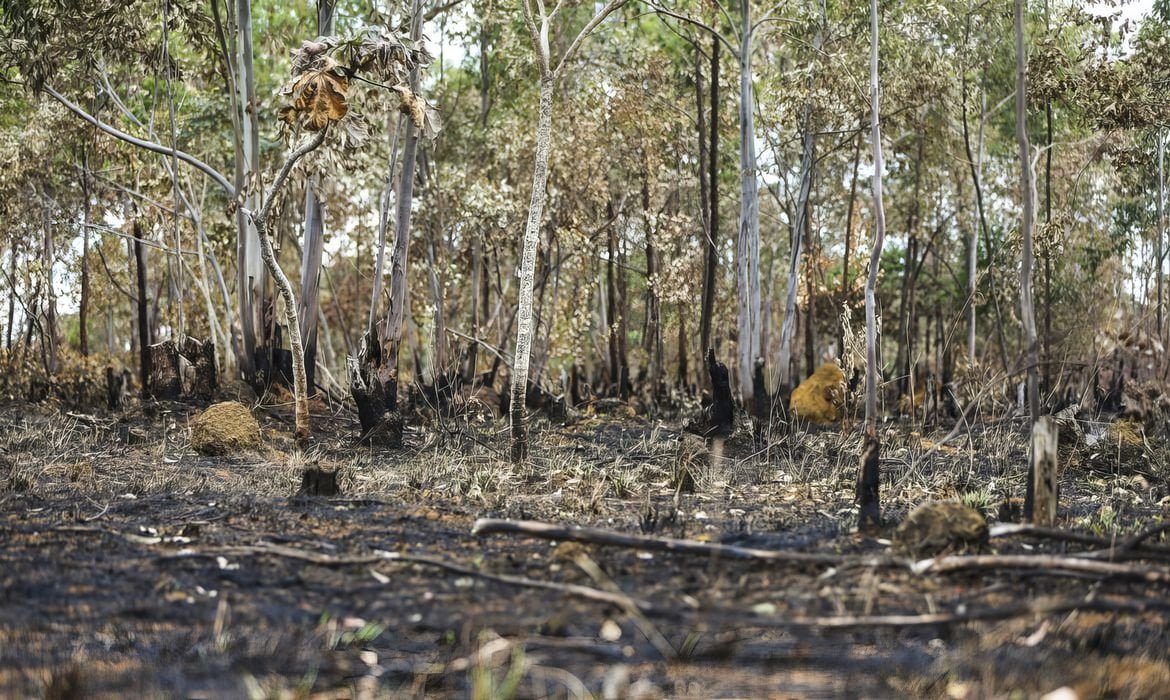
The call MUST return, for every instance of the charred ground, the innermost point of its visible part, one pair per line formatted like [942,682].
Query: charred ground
[146,569]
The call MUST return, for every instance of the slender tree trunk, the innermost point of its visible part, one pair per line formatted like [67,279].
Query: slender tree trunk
[846,285]
[652,342]
[314,238]
[527,271]
[907,319]
[711,260]
[701,170]
[1161,235]
[611,301]
[975,161]
[284,287]
[748,241]
[143,325]
[11,298]
[49,332]
[799,233]
[869,478]
[1027,195]
[83,304]
[250,267]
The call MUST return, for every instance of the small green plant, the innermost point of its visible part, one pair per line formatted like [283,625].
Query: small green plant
[483,678]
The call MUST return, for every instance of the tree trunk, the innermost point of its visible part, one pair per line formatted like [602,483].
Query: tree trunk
[83,303]
[907,315]
[748,241]
[975,162]
[312,253]
[845,284]
[250,267]
[869,477]
[11,298]
[143,326]
[524,329]
[799,232]
[1161,234]
[711,260]
[1027,195]
[314,240]
[652,337]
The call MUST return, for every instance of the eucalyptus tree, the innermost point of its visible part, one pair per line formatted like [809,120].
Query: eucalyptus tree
[869,475]
[538,19]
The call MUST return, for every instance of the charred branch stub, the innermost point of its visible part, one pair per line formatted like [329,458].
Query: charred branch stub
[373,383]
[719,419]
[761,401]
[316,481]
[870,515]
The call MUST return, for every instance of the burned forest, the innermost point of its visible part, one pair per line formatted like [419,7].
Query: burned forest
[614,349]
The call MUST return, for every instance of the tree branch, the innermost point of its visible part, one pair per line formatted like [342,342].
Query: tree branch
[147,145]
[585,31]
[697,23]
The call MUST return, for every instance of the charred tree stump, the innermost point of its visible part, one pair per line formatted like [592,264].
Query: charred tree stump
[1043,471]
[719,418]
[165,382]
[868,483]
[761,400]
[115,389]
[373,383]
[316,481]
[205,379]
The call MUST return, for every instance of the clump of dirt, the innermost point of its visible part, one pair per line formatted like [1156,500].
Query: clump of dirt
[941,526]
[225,428]
[820,398]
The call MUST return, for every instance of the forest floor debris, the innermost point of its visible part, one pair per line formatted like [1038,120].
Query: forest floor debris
[149,569]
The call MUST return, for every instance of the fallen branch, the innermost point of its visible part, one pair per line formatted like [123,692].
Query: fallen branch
[845,622]
[588,535]
[1112,548]
[327,560]
[1042,563]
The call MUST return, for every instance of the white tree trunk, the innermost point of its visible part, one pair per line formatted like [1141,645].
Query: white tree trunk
[879,231]
[747,246]
[250,268]
[1028,197]
[524,328]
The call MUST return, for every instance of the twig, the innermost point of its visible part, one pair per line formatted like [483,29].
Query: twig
[590,567]
[487,526]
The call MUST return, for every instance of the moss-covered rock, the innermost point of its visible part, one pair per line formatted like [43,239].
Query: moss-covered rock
[225,428]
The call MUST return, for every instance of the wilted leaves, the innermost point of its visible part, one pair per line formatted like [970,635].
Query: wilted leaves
[318,99]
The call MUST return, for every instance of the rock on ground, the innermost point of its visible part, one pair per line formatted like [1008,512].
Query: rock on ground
[225,428]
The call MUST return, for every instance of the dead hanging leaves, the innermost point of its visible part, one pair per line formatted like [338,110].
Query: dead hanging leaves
[317,97]
[318,92]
